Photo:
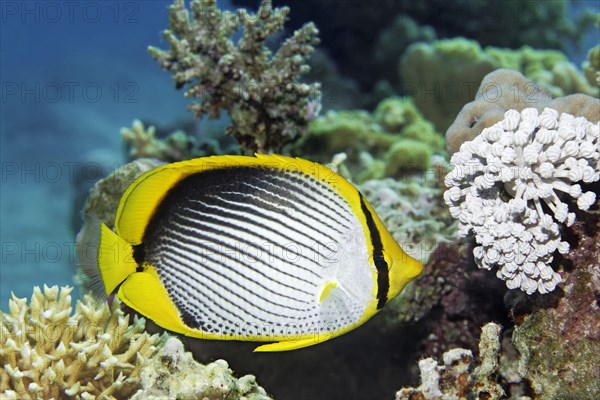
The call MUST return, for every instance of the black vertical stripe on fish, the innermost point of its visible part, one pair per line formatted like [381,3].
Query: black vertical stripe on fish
[383,278]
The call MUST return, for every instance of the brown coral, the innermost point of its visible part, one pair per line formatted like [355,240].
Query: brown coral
[505,89]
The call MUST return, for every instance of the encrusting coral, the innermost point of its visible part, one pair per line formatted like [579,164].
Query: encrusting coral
[48,353]
[443,75]
[458,377]
[261,91]
[558,339]
[506,89]
[500,180]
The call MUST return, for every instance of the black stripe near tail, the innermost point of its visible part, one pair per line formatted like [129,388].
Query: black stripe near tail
[383,278]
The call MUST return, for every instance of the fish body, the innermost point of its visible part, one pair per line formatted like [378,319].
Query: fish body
[265,248]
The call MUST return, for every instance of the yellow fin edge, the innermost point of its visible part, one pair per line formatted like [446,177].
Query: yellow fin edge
[143,196]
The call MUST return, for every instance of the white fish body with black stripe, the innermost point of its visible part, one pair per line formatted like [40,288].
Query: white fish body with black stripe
[265,248]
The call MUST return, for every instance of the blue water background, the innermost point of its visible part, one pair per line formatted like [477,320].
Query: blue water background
[73,74]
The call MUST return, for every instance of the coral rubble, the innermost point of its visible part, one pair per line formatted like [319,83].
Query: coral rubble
[174,374]
[267,104]
[460,376]
[48,353]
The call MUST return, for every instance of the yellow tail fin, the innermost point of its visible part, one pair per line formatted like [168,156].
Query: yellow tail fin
[106,259]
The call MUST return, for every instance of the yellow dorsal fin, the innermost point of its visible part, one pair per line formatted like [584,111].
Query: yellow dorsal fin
[143,196]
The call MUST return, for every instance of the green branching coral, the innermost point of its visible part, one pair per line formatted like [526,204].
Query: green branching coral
[260,90]
[48,353]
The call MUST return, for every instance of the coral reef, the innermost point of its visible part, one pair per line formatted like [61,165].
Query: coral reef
[550,68]
[394,40]
[442,75]
[506,89]
[450,301]
[337,91]
[558,337]
[48,353]
[174,374]
[591,67]
[546,25]
[104,197]
[392,141]
[267,104]
[143,143]
[499,180]
[458,377]
[411,208]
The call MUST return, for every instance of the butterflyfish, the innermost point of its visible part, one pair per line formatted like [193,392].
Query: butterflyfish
[265,249]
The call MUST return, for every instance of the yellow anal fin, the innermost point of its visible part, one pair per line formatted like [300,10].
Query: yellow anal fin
[144,292]
[290,345]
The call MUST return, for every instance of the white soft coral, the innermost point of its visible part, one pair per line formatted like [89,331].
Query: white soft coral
[498,184]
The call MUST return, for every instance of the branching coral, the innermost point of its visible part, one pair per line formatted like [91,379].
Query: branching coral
[142,142]
[504,179]
[267,104]
[48,353]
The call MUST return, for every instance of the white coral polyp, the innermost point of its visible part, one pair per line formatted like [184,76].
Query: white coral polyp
[502,178]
